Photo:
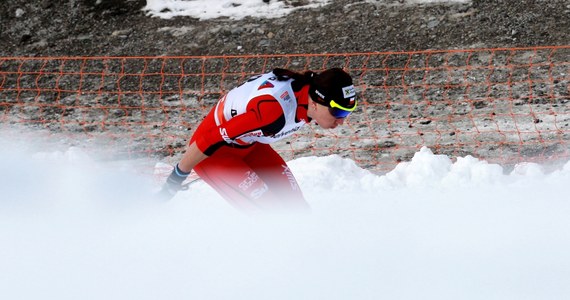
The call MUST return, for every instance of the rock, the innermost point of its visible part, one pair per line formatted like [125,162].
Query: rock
[122,33]
[19,13]
[25,38]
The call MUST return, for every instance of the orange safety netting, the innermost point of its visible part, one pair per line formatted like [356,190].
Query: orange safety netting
[504,105]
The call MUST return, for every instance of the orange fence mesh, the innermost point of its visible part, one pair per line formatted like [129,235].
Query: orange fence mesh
[504,105]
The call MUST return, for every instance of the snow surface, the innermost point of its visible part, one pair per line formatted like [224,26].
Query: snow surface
[233,9]
[72,227]
[239,9]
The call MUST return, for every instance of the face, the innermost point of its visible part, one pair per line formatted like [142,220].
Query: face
[322,116]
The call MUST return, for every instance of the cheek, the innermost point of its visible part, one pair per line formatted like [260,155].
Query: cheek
[326,120]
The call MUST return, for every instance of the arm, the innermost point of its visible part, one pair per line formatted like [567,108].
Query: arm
[264,114]
[191,158]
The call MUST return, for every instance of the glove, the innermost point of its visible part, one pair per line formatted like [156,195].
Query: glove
[173,184]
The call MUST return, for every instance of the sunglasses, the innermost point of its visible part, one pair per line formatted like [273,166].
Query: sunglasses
[338,111]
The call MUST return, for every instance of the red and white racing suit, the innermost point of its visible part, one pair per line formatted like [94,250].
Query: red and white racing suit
[235,135]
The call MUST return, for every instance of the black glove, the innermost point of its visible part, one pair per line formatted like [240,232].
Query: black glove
[173,184]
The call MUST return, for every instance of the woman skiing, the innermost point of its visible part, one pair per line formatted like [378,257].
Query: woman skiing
[231,152]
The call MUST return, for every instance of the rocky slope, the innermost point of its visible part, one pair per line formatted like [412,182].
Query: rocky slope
[120,27]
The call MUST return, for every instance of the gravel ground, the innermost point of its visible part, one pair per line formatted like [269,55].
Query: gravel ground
[120,27]
[451,118]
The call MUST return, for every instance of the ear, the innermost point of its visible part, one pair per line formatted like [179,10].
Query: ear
[314,106]
[313,102]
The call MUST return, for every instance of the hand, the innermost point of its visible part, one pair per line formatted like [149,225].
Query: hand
[173,184]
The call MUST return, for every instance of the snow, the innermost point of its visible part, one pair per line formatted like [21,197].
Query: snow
[239,9]
[234,9]
[73,227]
[435,227]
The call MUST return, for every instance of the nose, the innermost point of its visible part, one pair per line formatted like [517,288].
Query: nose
[339,121]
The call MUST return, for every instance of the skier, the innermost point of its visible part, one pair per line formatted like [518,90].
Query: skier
[230,149]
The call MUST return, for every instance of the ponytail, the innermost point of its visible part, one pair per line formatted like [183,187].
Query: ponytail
[299,79]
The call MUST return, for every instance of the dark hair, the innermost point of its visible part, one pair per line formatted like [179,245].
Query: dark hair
[299,79]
